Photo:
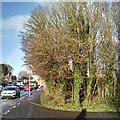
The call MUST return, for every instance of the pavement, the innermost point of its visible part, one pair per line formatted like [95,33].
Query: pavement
[31,108]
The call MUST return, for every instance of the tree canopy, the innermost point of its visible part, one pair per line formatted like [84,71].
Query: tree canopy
[5,71]
[23,75]
[84,33]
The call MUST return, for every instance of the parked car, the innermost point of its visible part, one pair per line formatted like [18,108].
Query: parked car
[41,86]
[10,92]
[18,86]
[21,87]
[1,88]
[34,84]
[28,87]
[9,85]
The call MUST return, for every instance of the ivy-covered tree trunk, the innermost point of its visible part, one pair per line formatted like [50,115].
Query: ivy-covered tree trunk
[118,54]
[78,79]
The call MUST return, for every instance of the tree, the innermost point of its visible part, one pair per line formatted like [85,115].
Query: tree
[49,55]
[13,77]
[23,75]
[117,23]
[81,32]
[5,71]
[118,51]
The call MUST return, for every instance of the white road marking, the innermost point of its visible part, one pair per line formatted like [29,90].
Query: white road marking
[14,106]
[18,103]
[37,89]
[7,112]
[22,98]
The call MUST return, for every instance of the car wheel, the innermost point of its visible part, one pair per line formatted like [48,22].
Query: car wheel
[19,95]
[16,95]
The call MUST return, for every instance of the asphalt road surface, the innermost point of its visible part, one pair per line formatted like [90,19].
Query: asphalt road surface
[8,103]
[30,108]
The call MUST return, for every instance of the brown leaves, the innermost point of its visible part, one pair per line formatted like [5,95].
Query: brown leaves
[66,29]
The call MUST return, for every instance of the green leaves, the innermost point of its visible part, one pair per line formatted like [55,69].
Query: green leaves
[82,32]
[5,69]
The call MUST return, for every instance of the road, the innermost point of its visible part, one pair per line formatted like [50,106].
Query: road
[25,107]
[6,105]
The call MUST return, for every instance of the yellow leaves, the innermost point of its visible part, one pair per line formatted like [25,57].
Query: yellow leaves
[60,31]
[106,58]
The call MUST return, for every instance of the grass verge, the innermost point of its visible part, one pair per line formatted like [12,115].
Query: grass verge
[96,107]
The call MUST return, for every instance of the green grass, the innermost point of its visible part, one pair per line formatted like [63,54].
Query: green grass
[102,107]
[96,107]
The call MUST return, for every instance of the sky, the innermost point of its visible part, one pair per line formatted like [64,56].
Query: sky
[12,18]
[14,15]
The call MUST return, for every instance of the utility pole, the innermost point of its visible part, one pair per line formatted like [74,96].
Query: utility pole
[29,81]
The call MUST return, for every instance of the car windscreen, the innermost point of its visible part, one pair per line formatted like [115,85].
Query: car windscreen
[10,88]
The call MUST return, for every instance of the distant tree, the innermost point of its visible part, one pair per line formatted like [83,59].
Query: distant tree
[5,71]
[13,77]
[24,75]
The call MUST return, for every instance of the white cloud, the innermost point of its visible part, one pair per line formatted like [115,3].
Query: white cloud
[14,23]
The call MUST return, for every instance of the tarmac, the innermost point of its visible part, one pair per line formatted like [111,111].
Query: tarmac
[31,108]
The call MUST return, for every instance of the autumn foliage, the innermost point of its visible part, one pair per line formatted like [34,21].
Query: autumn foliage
[83,33]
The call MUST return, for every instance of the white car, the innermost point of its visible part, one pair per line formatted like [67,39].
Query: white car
[10,85]
[41,86]
[10,92]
